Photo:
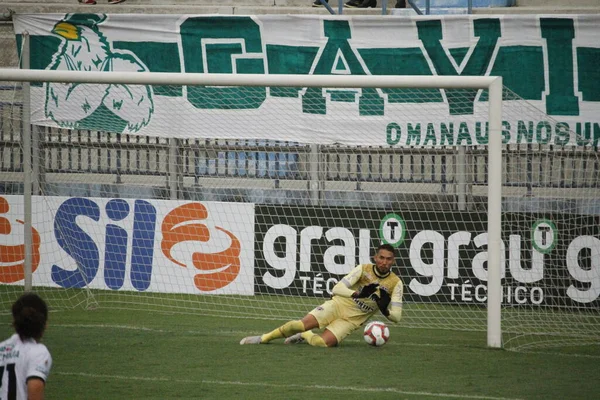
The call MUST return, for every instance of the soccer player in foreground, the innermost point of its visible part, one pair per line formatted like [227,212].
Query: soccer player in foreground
[24,362]
[366,289]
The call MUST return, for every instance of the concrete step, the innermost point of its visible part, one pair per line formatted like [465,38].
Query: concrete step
[18,7]
[231,7]
[260,7]
[556,9]
[8,57]
[252,3]
[203,3]
[230,3]
[307,3]
[562,3]
[333,3]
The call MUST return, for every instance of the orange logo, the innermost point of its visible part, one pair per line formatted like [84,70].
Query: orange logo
[12,257]
[218,269]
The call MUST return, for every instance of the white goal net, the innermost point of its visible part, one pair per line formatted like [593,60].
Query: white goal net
[199,194]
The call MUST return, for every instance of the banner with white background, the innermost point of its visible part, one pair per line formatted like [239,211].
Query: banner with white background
[132,244]
[549,63]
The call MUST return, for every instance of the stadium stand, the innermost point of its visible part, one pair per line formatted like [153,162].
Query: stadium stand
[546,7]
[8,58]
[249,7]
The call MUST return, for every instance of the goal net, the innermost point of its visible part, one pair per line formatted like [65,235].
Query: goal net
[251,196]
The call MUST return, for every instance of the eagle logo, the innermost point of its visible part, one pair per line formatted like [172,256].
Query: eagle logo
[108,107]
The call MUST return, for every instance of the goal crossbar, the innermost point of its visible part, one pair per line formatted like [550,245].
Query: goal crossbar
[285,80]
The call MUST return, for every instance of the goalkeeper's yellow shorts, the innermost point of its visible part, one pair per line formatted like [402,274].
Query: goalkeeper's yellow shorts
[340,317]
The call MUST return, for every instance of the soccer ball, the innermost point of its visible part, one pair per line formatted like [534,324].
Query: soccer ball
[376,333]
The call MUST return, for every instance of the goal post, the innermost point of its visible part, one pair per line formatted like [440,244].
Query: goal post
[494,329]
[492,84]
[251,195]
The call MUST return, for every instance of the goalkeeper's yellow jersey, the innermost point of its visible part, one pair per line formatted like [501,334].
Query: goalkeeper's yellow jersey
[363,275]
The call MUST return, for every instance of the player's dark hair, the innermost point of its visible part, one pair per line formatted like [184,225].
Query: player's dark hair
[386,246]
[30,314]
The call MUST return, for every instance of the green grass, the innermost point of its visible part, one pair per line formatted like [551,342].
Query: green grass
[117,354]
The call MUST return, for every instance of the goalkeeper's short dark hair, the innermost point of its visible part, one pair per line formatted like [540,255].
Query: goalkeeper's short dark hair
[386,246]
[30,314]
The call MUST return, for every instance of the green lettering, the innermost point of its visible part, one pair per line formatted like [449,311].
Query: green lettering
[522,71]
[447,134]
[482,138]
[525,131]
[430,135]
[488,31]
[393,133]
[463,134]
[559,34]
[562,133]
[289,60]
[583,138]
[413,134]
[244,38]
[543,132]
[395,61]
[505,132]
[400,61]
[339,54]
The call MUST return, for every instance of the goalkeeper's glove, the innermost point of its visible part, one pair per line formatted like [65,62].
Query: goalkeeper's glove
[383,301]
[366,291]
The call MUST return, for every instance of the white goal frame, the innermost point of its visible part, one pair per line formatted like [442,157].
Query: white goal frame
[491,83]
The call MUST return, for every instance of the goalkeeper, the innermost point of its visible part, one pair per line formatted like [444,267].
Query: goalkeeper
[360,294]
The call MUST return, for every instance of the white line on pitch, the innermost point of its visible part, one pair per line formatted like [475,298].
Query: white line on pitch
[274,385]
[110,326]
[546,353]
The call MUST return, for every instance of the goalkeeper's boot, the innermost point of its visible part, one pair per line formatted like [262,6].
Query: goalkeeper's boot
[294,339]
[251,340]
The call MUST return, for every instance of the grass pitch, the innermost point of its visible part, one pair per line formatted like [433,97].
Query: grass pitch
[117,354]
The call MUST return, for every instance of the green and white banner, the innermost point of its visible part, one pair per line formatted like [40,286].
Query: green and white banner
[549,63]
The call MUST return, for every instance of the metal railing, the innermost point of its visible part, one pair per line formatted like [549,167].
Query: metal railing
[61,151]
[411,3]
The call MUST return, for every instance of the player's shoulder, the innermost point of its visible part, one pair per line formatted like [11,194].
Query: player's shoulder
[34,348]
[369,271]
[395,279]
[11,341]
[39,347]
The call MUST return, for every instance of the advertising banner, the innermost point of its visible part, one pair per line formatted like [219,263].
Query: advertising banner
[547,260]
[549,64]
[131,244]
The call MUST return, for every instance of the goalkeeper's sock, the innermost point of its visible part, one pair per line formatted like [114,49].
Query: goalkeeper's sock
[285,330]
[313,339]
